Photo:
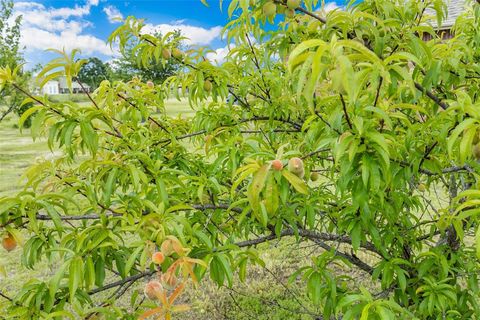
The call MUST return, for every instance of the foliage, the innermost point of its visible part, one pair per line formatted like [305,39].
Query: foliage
[10,55]
[356,95]
[93,72]
[132,64]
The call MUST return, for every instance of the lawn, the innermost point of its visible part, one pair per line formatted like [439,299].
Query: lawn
[19,151]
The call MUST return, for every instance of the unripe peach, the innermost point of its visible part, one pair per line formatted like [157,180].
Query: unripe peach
[293,4]
[277,165]
[150,84]
[207,85]
[166,54]
[314,176]
[290,13]
[152,288]
[158,258]
[269,9]
[9,243]
[166,247]
[295,166]
[421,187]
[177,53]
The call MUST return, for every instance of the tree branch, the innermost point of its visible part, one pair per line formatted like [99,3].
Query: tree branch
[149,117]
[432,96]
[123,281]
[5,297]
[311,14]
[345,112]
[311,235]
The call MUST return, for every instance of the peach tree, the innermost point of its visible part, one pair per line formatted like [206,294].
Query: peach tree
[355,129]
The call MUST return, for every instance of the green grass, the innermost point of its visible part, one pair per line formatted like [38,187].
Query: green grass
[18,152]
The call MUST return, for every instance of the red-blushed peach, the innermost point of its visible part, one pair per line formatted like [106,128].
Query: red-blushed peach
[152,288]
[277,165]
[158,258]
[9,243]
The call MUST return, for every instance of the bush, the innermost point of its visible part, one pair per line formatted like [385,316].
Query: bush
[388,120]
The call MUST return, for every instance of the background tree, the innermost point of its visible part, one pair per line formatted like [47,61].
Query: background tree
[10,55]
[366,144]
[130,64]
[93,72]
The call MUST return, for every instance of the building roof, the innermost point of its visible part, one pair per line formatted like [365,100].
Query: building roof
[454,9]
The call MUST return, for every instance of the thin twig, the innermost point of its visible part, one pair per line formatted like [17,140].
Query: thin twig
[345,112]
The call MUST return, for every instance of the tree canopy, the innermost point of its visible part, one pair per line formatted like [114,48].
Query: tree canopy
[131,64]
[343,128]
[93,72]
[11,55]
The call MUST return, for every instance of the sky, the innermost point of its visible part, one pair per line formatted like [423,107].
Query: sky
[86,24]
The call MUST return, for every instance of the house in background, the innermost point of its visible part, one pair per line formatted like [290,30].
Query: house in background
[454,9]
[59,86]
[51,87]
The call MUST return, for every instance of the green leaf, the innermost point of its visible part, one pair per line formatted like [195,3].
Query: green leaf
[477,240]
[89,136]
[75,276]
[296,182]
[226,267]
[314,287]
[109,186]
[27,114]
[132,259]
[256,186]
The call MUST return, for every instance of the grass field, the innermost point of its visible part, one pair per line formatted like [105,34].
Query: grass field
[18,150]
[266,294]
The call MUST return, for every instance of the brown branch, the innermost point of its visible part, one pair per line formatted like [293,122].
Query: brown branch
[193,134]
[266,90]
[7,112]
[313,15]
[431,173]
[378,92]
[5,297]
[345,112]
[149,117]
[123,281]
[432,96]
[87,93]
[428,150]
[315,152]
[275,130]
[311,235]
[328,124]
